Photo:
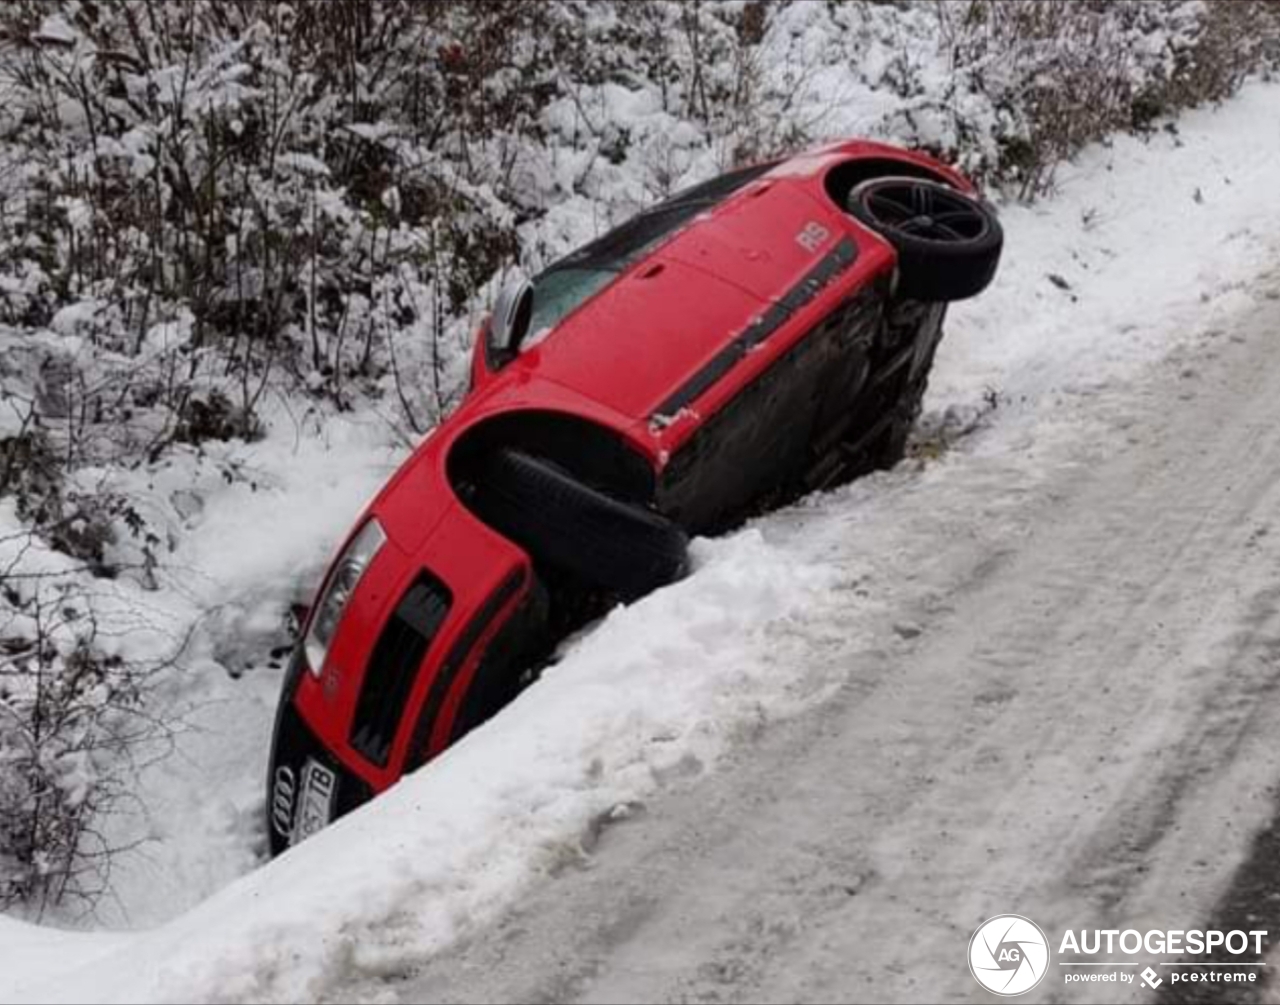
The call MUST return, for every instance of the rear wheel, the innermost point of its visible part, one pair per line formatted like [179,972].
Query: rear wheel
[610,544]
[948,243]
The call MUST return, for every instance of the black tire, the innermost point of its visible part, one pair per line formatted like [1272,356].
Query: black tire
[610,544]
[948,243]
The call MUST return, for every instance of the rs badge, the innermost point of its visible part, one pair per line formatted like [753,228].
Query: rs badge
[813,237]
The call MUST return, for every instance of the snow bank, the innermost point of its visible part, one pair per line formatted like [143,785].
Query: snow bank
[652,694]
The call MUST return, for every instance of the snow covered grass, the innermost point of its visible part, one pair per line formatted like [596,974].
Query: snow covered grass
[1151,243]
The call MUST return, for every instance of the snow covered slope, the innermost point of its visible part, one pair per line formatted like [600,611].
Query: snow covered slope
[999,643]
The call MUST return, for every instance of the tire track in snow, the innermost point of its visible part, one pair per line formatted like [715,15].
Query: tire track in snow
[1077,732]
[1252,901]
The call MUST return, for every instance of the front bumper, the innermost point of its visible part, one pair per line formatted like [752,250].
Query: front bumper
[307,786]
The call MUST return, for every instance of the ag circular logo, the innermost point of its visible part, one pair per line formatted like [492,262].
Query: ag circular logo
[1008,954]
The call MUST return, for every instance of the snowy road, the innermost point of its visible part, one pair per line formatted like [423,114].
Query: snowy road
[1082,731]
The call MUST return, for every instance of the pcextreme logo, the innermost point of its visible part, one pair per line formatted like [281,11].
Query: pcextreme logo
[1009,954]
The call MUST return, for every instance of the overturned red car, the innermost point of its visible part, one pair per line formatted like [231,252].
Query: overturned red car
[751,339]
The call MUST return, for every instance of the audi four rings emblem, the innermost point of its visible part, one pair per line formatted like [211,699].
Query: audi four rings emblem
[283,792]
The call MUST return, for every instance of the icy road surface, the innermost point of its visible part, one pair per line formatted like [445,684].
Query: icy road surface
[1032,673]
[1075,718]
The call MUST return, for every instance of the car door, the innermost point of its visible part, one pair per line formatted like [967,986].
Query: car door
[756,449]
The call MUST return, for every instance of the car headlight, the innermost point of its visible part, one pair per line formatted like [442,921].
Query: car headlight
[342,583]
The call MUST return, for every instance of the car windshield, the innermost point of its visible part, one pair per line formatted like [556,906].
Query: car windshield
[570,282]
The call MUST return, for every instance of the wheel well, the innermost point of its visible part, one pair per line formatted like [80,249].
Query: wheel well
[592,453]
[841,179]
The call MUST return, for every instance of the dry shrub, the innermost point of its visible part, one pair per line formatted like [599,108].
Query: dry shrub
[69,718]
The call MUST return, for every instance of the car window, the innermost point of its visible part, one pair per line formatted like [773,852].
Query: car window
[572,280]
[558,291]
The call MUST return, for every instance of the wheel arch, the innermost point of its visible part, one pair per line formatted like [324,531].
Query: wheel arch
[591,451]
[877,161]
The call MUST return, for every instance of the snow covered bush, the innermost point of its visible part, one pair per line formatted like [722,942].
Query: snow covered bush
[1007,88]
[69,717]
[322,193]
[214,206]
[1059,74]
[283,175]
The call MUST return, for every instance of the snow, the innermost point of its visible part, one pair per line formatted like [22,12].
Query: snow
[54,28]
[660,690]
[304,163]
[1048,656]
[536,786]
[284,502]
[374,132]
[293,498]
[71,319]
[169,335]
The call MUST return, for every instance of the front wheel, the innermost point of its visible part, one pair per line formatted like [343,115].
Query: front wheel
[948,243]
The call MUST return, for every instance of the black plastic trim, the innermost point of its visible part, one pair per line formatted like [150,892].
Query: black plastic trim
[453,665]
[393,667]
[834,262]
[292,745]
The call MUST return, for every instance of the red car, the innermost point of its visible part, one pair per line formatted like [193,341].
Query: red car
[751,339]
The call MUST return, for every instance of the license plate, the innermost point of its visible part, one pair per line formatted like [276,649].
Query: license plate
[319,785]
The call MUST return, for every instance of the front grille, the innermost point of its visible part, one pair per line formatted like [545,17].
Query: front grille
[389,676]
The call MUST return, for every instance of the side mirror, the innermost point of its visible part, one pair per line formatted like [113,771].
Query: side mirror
[511,317]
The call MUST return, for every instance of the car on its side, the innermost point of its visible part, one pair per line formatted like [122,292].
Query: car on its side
[751,339]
